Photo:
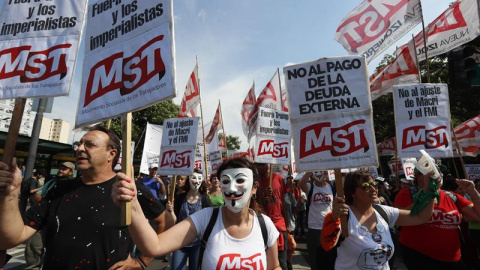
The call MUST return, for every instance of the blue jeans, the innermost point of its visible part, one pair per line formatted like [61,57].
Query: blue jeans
[179,258]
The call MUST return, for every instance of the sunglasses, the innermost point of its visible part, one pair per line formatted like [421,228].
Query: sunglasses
[368,185]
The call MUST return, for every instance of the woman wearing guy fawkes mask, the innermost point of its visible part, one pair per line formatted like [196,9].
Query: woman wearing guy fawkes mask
[319,204]
[192,200]
[236,239]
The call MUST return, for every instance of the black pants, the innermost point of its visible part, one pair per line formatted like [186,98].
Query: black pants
[415,260]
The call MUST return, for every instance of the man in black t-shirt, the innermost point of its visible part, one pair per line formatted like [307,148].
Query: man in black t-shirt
[82,223]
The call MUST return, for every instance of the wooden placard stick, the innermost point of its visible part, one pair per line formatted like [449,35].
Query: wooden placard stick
[271,174]
[171,195]
[340,193]
[9,149]
[126,217]
[13,130]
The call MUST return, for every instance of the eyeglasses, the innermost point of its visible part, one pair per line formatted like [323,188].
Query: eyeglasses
[368,185]
[87,144]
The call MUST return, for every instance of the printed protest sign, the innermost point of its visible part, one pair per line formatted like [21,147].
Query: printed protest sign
[331,111]
[38,47]
[179,140]
[273,137]
[151,147]
[473,171]
[129,62]
[409,167]
[422,119]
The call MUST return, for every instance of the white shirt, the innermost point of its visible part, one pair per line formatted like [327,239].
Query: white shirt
[360,251]
[320,205]
[226,252]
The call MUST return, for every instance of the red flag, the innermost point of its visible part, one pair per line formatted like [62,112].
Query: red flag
[270,97]
[402,70]
[284,101]
[216,125]
[191,97]
[468,136]
[247,109]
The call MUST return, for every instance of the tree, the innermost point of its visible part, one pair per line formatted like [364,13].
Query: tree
[233,142]
[154,114]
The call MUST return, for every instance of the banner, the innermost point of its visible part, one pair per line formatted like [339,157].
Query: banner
[375,25]
[468,136]
[179,140]
[387,147]
[129,61]
[216,124]
[422,119]
[402,70]
[331,114]
[38,47]
[273,137]
[191,97]
[151,147]
[248,107]
[457,25]
[270,97]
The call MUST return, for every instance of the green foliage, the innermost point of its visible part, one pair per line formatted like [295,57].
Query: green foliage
[154,114]
[233,142]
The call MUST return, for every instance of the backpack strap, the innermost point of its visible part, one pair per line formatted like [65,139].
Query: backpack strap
[206,235]
[263,227]
[382,212]
[452,196]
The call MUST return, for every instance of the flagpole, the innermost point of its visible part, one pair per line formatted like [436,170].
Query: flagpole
[424,47]
[416,58]
[465,175]
[203,127]
[280,84]
[223,128]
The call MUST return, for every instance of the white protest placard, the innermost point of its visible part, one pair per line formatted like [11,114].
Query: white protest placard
[214,161]
[129,60]
[179,140]
[422,120]
[473,171]
[409,167]
[38,46]
[151,147]
[331,112]
[272,143]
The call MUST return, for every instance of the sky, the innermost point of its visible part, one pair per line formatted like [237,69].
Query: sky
[238,42]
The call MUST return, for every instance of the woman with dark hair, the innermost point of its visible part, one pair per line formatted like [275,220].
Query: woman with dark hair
[194,199]
[369,243]
[236,238]
[215,191]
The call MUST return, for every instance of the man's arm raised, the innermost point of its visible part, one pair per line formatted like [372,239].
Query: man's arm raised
[12,230]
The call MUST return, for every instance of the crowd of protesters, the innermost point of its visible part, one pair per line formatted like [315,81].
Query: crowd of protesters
[430,222]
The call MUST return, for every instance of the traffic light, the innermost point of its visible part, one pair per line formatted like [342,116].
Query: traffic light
[462,67]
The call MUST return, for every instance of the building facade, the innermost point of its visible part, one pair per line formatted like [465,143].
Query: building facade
[6,109]
[56,130]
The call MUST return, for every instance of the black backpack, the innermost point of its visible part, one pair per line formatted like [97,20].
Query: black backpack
[211,223]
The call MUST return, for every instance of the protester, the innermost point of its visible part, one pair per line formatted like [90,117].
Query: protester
[187,203]
[215,193]
[270,198]
[290,206]
[34,246]
[436,244]
[369,244]
[83,224]
[300,214]
[153,183]
[475,226]
[236,238]
[36,184]
[319,204]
